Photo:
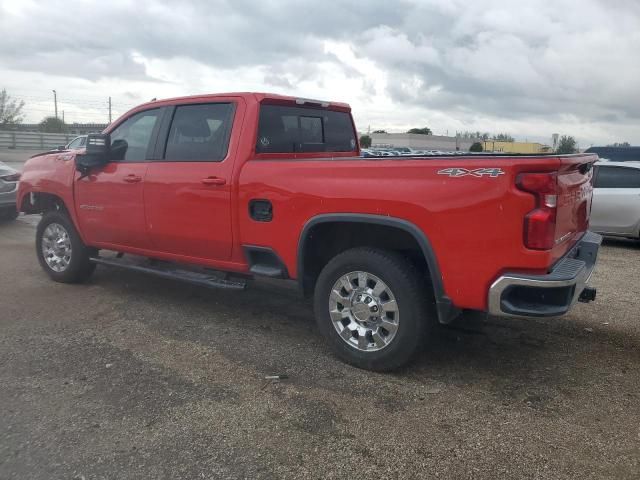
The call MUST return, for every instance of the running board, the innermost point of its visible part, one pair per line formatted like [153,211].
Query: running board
[172,272]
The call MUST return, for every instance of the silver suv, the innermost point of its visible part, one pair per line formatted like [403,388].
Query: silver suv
[616,199]
[8,188]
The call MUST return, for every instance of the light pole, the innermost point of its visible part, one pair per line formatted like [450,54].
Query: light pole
[55,102]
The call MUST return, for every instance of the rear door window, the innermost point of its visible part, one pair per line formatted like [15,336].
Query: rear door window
[617,177]
[284,129]
[200,133]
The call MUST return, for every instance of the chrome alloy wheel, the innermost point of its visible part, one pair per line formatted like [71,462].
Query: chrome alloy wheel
[56,247]
[364,311]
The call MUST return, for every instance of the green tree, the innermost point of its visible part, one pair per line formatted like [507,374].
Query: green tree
[379,131]
[471,135]
[10,109]
[567,144]
[620,144]
[476,147]
[503,137]
[53,125]
[365,141]
[421,131]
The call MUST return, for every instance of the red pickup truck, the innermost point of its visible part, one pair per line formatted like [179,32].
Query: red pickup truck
[216,189]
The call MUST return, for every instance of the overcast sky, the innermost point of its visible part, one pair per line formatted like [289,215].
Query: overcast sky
[529,68]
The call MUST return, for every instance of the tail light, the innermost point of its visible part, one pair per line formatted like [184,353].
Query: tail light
[540,223]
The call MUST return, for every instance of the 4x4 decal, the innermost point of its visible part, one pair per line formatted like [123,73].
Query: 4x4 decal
[478,172]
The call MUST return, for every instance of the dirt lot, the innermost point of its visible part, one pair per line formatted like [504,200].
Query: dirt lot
[134,377]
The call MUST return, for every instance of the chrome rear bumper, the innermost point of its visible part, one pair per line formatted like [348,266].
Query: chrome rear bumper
[524,295]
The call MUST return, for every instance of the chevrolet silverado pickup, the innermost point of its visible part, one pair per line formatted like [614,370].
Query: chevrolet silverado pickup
[218,189]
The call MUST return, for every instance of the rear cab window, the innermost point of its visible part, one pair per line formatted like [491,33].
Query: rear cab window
[288,129]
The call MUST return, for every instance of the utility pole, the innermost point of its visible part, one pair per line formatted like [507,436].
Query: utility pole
[62,116]
[109,109]
[55,102]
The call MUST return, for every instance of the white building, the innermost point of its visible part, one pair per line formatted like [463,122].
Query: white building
[420,142]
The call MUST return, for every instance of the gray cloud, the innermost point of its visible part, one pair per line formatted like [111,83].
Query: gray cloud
[490,58]
[568,57]
[279,81]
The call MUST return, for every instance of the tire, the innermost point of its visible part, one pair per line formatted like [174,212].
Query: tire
[9,214]
[68,258]
[381,348]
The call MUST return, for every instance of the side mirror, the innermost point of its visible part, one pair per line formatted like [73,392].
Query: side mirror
[61,147]
[98,149]
[98,144]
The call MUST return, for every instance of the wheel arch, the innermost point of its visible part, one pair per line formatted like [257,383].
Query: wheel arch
[41,202]
[306,279]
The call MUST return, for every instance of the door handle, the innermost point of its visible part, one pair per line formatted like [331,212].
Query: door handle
[131,178]
[213,181]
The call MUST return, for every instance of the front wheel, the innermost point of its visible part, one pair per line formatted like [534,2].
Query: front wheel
[60,250]
[373,307]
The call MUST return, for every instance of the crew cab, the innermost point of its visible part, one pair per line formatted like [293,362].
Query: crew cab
[217,189]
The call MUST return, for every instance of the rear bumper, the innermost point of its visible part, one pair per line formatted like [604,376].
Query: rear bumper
[523,295]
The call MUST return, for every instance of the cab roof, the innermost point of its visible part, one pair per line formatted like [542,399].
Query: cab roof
[259,97]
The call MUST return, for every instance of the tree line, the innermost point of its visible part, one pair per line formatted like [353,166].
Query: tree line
[11,113]
[566,143]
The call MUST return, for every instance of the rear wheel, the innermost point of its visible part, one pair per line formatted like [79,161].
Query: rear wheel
[372,305]
[60,250]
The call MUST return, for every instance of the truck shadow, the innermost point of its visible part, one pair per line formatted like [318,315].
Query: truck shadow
[626,243]
[270,329]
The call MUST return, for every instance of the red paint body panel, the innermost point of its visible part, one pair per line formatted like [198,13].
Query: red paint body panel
[474,224]
[110,208]
[188,204]
[53,174]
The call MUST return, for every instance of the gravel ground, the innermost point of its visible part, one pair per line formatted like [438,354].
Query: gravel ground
[129,376]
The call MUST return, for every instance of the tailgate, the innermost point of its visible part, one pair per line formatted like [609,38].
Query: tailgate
[574,199]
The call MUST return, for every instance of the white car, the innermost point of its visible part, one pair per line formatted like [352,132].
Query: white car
[77,143]
[616,199]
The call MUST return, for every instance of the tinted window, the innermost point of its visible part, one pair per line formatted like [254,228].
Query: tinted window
[296,129]
[130,140]
[617,177]
[77,143]
[200,132]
